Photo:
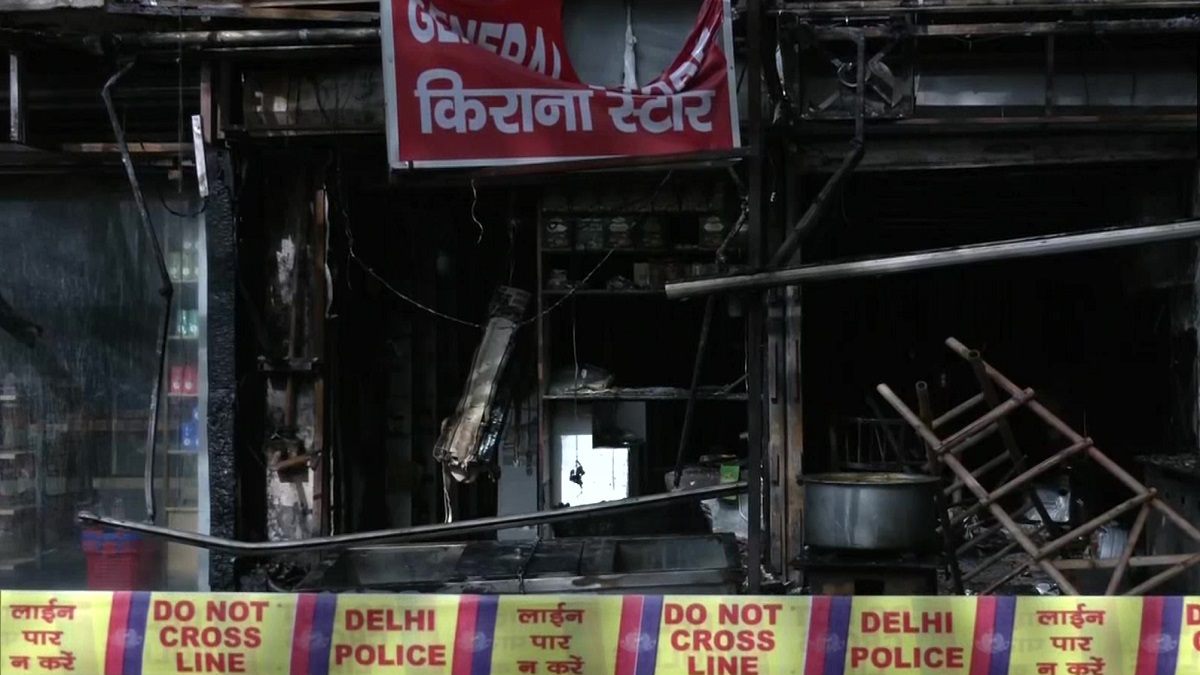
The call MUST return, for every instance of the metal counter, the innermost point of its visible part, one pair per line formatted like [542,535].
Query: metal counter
[705,564]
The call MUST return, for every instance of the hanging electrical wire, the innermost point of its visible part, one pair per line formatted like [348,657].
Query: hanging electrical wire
[353,255]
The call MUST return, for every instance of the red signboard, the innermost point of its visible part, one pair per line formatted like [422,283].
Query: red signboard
[488,82]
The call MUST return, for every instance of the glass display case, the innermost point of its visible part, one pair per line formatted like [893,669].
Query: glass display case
[182,431]
[81,311]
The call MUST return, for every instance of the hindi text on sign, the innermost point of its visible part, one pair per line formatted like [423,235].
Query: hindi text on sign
[476,84]
[427,23]
[730,641]
[216,637]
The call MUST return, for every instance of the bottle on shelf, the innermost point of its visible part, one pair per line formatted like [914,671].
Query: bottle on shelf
[175,384]
[181,322]
[190,379]
[189,430]
[187,269]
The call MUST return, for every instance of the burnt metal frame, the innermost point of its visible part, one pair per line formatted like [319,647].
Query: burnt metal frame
[1144,499]
[821,203]
[756,308]
[754,153]
[224,484]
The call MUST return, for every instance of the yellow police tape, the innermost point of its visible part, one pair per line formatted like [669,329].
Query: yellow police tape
[159,633]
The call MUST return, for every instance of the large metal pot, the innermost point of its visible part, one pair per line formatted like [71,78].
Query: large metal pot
[871,511]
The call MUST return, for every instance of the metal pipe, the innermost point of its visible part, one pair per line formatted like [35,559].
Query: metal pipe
[755,318]
[249,38]
[689,412]
[417,533]
[1182,24]
[532,172]
[818,207]
[167,290]
[963,255]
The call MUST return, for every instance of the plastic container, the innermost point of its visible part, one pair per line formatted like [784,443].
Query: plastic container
[119,561]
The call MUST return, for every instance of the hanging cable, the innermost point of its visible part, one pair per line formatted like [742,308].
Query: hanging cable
[179,214]
[475,218]
[351,254]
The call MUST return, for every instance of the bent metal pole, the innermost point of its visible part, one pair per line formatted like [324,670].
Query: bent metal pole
[434,531]
[911,262]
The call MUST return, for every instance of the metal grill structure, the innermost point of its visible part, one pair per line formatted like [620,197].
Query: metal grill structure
[946,453]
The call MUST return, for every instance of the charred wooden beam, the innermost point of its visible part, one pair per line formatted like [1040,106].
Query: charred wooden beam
[420,532]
